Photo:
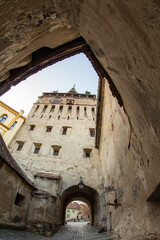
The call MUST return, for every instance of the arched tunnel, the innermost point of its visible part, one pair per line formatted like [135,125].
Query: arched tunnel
[87,194]
[121,39]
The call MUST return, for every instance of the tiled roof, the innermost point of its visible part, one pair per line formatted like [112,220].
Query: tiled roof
[73,205]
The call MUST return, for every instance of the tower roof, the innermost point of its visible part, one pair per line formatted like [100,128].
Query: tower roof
[72,90]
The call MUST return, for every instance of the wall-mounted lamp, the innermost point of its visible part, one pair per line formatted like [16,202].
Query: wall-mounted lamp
[117,193]
[81,183]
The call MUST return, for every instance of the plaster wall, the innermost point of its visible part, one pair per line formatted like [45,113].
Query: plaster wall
[11,214]
[125,167]
[43,216]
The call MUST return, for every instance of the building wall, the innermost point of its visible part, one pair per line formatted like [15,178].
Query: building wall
[43,216]
[22,204]
[71,213]
[6,131]
[125,167]
[13,213]
[71,160]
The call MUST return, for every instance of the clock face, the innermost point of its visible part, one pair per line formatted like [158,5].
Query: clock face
[55,100]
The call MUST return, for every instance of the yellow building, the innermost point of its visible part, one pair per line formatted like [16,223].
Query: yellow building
[10,122]
[72,211]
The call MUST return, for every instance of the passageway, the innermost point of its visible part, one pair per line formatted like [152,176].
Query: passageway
[70,231]
[88,195]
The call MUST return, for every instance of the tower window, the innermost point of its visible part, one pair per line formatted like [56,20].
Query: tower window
[13,125]
[69,109]
[20,145]
[32,127]
[41,116]
[49,128]
[59,117]
[45,108]
[93,112]
[36,150]
[87,152]
[64,131]
[37,147]
[56,150]
[3,118]
[85,112]
[77,110]
[52,108]
[92,132]
[60,109]
[37,107]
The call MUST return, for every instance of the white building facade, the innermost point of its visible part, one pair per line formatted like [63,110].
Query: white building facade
[58,138]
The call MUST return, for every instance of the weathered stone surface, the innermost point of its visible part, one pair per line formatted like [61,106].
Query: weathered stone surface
[125,167]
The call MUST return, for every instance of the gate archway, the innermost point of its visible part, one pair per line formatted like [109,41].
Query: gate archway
[88,195]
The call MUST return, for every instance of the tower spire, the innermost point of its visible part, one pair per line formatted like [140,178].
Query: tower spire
[73,90]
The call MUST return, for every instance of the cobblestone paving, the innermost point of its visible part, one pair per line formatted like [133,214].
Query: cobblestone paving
[71,231]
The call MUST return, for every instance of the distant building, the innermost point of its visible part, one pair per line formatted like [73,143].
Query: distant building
[76,212]
[10,122]
[72,211]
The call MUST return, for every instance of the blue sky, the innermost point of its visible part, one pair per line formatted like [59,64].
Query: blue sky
[60,76]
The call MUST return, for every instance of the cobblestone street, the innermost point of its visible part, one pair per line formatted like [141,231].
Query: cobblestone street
[71,231]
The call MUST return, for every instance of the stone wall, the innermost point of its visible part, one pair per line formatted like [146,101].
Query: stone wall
[22,204]
[44,216]
[125,167]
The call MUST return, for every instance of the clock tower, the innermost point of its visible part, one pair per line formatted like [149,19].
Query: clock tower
[58,138]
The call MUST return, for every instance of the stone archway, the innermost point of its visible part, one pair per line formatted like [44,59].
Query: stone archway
[87,195]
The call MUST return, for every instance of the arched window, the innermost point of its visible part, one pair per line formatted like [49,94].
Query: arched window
[13,125]
[3,118]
